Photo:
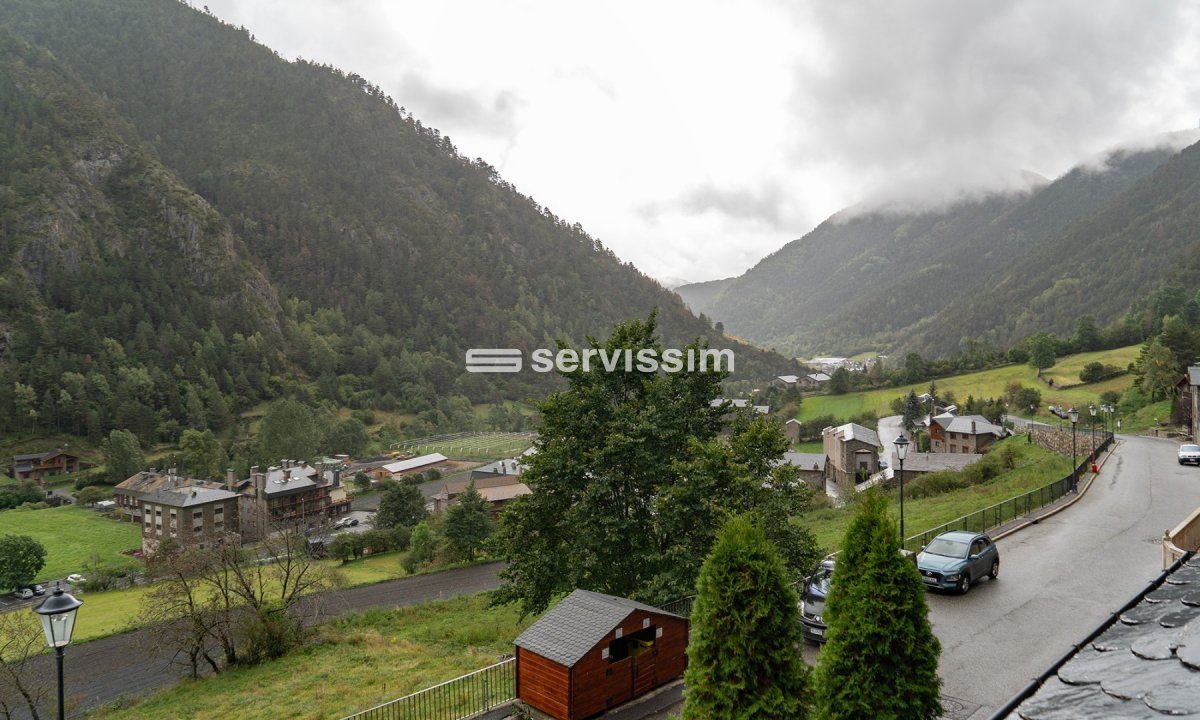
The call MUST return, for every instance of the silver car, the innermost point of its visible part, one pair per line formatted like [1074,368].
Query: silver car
[1189,454]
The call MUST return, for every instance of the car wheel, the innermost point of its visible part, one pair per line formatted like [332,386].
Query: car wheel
[995,569]
[964,584]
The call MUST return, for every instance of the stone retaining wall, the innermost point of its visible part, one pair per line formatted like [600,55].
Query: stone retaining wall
[1059,441]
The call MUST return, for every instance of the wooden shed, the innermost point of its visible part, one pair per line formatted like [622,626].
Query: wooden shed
[594,651]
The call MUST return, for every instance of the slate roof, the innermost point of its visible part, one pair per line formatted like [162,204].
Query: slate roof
[819,377]
[1145,665]
[1193,375]
[852,431]
[187,496]
[413,463]
[789,379]
[933,462]
[805,461]
[962,424]
[577,624]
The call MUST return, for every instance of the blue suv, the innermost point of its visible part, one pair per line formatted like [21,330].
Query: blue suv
[812,601]
[954,560]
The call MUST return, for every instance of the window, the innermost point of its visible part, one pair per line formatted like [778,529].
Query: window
[197,514]
[219,510]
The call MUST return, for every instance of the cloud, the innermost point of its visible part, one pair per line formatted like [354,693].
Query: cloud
[921,100]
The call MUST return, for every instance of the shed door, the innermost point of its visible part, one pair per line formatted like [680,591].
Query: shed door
[645,657]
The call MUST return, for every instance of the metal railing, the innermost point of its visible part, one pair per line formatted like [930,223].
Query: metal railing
[1005,511]
[455,699]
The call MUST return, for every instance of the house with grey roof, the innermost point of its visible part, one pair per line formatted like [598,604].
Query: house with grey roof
[812,468]
[189,511]
[949,433]
[592,652]
[1186,411]
[852,451]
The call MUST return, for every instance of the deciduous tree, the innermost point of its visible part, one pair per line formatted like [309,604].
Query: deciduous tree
[21,559]
[400,506]
[469,523]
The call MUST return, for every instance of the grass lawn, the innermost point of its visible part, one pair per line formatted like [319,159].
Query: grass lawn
[479,445]
[356,662]
[1035,467]
[989,383]
[72,535]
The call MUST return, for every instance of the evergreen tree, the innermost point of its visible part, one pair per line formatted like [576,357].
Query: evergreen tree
[881,657]
[122,456]
[743,656]
[912,412]
[469,522]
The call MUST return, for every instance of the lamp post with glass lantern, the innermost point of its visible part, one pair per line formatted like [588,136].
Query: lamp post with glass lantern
[1092,410]
[57,614]
[901,450]
[1074,415]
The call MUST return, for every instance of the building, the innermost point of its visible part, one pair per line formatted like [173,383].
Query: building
[128,493]
[192,513]
[394,470]
[1187,407]
[963,434]
[919,463]
[852,453]
[813,381]
[740,404]
[791,429]
[812,468]
[592,652]
[36,466]
[292,494]
[495,488]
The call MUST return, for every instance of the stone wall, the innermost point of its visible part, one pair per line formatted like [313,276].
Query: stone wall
[1059,441]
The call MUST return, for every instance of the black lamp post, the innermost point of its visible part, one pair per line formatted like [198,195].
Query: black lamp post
[901,450]
[1092,410]
[1074,415]
[58,621]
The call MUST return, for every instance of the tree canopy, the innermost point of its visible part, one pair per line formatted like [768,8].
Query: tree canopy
[21,559]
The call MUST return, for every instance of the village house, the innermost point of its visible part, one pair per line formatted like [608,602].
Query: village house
[1187,405]
[190,512]
[36,466]
[495,488]
[293,493]
[852,453]
[963,434]
[812,381]
[791,429]
[812,468]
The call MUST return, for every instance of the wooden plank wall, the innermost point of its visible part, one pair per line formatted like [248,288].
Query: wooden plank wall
[543,683]
[598,684]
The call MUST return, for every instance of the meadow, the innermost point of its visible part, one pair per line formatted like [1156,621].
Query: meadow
[74,537]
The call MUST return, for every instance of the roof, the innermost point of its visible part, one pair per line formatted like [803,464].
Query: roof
[1143,665]
[819,377]
[805,461]
[934,462]
[793,420]
[973,425]
[500,467]
[577,624]
[502,493]
[852,431]
[789,379]
[187,496]
[1193,374]
[414,463]
[457,487]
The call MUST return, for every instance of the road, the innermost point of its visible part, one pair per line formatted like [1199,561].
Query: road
[103,671]
[1062,577]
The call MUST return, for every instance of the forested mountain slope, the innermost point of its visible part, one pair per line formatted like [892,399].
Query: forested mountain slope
[361,254]
[929,281]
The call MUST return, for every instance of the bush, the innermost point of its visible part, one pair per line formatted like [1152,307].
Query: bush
[935,483]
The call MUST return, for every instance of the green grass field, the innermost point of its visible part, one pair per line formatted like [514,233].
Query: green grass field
[356,662]
[1034,468]
[72,536]
[989,383]
[471,445]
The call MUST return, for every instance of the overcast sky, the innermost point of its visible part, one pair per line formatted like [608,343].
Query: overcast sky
[693,138]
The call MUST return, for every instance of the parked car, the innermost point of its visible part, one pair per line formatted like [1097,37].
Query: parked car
[23,593]
[955,560]
[812,601]
[76,579]
[38,589]
[351,522]
[340,523]
[1189,454]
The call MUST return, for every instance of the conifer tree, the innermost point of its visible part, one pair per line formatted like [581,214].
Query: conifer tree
[881,657]
[743,653]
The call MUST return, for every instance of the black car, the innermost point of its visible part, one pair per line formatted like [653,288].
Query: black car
[812,601]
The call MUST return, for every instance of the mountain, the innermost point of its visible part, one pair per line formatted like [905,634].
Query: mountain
[980,269]
[187,213]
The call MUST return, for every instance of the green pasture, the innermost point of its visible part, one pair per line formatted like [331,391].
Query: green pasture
[73,536]
[470,445]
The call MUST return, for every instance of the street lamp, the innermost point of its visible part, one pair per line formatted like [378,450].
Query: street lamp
[901,450]
[1074,415]
[1092,410]
[58,620]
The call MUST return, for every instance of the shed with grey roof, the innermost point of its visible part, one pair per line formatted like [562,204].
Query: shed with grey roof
[592,652]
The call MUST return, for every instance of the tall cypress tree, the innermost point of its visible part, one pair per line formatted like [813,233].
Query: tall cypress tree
[881,657]
[743,653]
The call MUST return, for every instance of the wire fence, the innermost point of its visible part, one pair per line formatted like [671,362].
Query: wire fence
[462,697]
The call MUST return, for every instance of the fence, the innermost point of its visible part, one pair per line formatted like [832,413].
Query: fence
[455,699]
[993,517]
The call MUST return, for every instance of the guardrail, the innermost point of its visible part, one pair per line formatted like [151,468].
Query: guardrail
[1184,538]
[996,515]
[455,699]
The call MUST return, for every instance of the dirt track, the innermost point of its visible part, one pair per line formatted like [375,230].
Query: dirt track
[103,671]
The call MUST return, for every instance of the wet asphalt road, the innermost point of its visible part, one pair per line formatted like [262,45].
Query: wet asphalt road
[1061,578]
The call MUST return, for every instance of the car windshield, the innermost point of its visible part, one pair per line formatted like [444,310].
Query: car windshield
[1189,448]
[820,579]
[947,548]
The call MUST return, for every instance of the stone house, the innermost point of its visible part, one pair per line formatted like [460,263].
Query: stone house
[851,451]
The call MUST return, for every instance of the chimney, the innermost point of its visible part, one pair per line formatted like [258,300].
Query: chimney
[972,427]
[230,478]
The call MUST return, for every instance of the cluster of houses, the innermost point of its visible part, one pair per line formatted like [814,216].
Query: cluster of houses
[851,453]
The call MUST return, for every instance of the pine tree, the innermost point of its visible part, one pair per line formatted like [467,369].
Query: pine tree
[469,522]
[743,656]
[881,657]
